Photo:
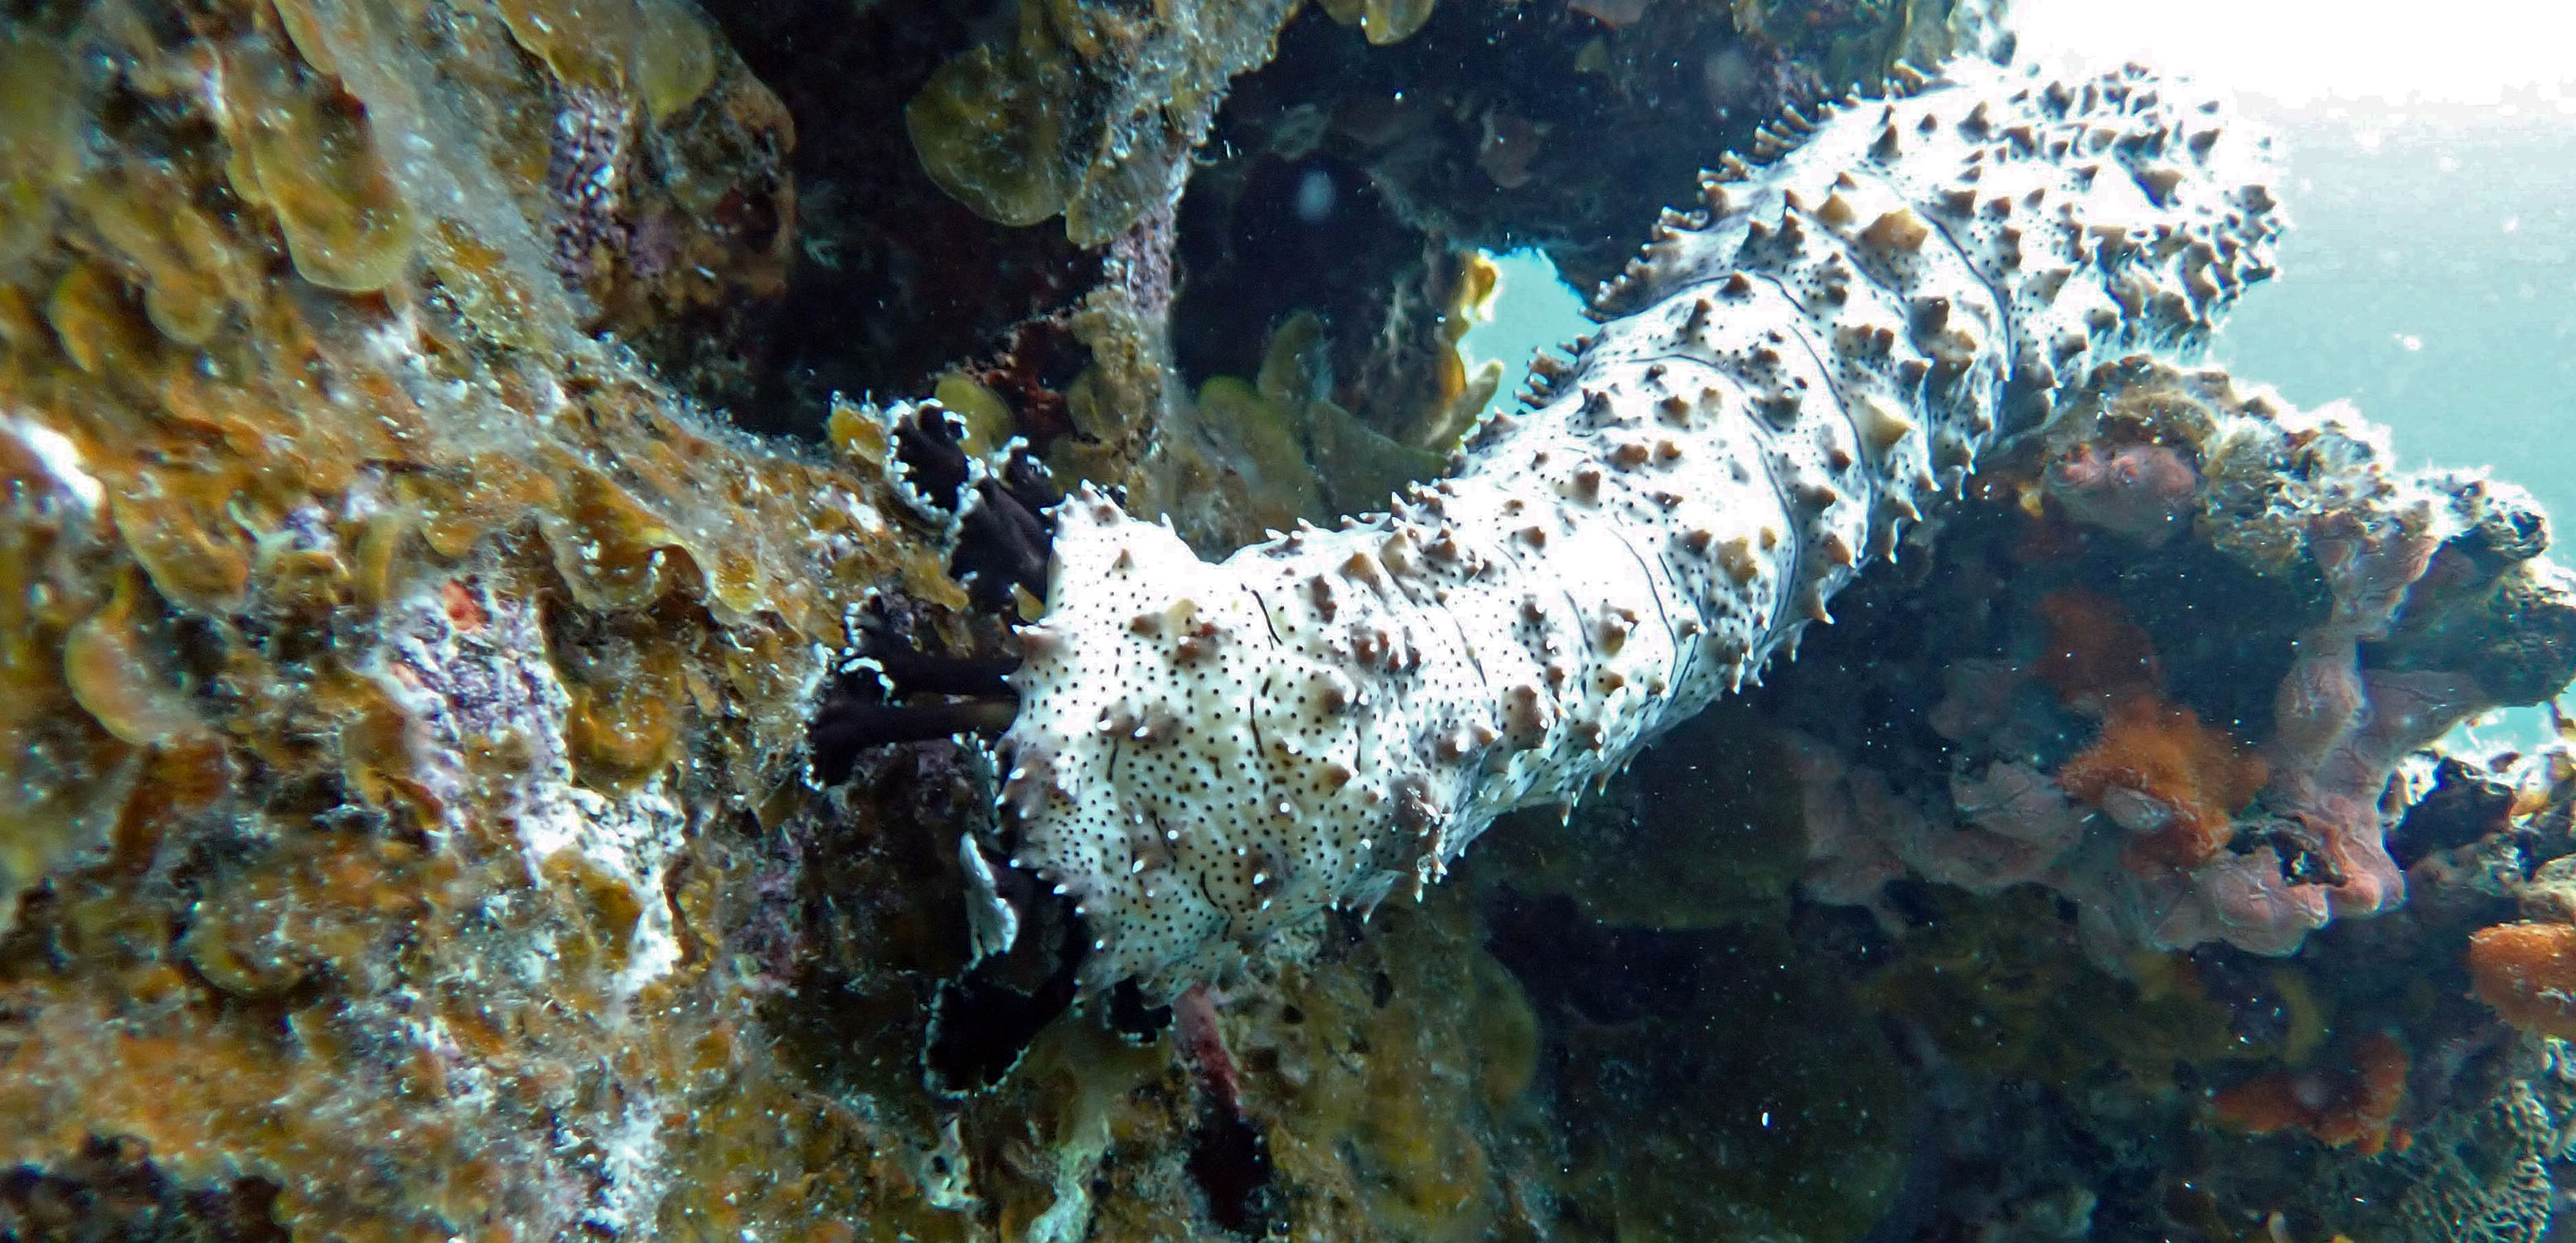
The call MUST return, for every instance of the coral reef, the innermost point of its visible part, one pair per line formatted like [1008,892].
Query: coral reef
[2215,1094]
[400,674]
[410,835]
[2231,792]
[458,786]
[414,837]
[1205,757]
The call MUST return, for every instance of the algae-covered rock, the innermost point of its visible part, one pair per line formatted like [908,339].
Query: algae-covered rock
[1092,111]
[393,669]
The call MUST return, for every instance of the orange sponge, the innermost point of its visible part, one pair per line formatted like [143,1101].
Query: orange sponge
[2527,972]
[2356,1106]
[2163,774]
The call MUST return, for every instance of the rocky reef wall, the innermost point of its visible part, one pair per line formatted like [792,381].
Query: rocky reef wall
[401,670]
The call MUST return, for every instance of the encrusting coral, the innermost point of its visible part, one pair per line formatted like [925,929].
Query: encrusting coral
[1779,381]
[210,463]
[1089,112]
[395,670]
[2356,1107]
[2162,774]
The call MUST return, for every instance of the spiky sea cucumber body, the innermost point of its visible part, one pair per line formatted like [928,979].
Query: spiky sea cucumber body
[1208,754]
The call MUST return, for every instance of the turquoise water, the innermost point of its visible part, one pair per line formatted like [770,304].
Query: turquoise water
[1533,309]
[2430,279]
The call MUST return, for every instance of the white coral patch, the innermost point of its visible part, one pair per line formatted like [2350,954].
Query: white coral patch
[469,668]
[60,458]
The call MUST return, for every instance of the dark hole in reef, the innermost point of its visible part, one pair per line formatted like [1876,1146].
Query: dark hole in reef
[1912,901]
[2246,987]
[2464,805]
[113,1190]
[894,279]
[1230,1161]
[1288,216]
[1131,1017]
[1310,234]
[2223,633]
[980,1026]
[1847,935]
[1565,959]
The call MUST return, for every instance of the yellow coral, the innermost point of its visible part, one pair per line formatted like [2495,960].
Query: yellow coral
[1387,1092]
[312,159]
[1382,21]
[659,51]
[1090,112]
[40,121]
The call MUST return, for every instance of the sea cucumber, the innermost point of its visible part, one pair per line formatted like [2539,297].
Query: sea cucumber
[1209,755]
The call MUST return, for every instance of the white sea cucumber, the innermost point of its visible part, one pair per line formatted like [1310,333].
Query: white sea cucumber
[1208,754]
